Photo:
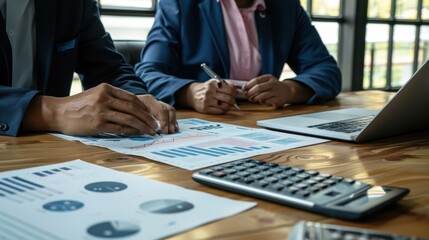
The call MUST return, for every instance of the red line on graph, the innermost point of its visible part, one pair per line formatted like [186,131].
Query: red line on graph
[165,139]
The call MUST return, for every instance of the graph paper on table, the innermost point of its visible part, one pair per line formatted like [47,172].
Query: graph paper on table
[79,200]
[202,143]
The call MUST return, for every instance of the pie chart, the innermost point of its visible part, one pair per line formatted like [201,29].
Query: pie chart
[166,206]
[113,229]
[105,187]
[63,206]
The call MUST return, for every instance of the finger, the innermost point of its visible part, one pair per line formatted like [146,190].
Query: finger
[265,98]
[119,129]
[167,118]
[136,109]
[127,96]
[255,81]
[131,121]
[227,88]
[173,125]
[259,89]
[216,110]
[225,98]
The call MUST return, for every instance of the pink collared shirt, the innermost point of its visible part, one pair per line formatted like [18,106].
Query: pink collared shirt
[242,39]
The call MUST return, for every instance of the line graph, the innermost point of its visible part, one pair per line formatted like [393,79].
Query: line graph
[173,138]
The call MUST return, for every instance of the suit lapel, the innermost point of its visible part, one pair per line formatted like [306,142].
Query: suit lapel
[6,53]
[265,39]
[45,30]
[212,14]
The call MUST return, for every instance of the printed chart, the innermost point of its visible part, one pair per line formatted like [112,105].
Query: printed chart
[92,202]
[202,143]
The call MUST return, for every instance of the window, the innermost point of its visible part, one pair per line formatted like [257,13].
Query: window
[397,40]
[127,19]
[326,16]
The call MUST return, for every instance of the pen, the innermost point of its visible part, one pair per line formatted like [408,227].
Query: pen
[158,124]
[213,75]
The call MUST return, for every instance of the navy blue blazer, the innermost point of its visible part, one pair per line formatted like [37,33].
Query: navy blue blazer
[187,33]
[70,38]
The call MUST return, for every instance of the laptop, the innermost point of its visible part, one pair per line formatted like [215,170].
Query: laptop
[407,111]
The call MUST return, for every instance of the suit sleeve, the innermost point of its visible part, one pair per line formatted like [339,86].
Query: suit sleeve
[312,62]
[13,105]
[98,61]
[160,59]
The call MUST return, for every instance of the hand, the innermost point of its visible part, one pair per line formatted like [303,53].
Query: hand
[100,109]
[268,90]
[210,97]
[162,112]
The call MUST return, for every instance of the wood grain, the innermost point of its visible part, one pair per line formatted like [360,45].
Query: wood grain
[401,161]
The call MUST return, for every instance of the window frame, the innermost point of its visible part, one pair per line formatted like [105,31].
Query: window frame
[127,11]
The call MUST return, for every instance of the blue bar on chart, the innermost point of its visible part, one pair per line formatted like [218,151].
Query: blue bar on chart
[16,184]
[191,151]
[45,173]
[23,190]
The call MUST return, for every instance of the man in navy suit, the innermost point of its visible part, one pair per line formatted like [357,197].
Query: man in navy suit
[42,43]
[248,40]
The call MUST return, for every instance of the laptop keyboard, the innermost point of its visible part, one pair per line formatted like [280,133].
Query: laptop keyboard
[346,126]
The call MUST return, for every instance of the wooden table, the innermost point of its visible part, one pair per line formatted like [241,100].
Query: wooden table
[401,161]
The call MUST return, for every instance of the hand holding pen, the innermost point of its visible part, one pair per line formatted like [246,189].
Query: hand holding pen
[213,75]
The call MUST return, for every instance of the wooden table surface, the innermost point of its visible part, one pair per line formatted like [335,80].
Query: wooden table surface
[401,161]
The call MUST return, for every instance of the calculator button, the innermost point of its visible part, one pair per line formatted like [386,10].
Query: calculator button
[295,179]
[219,174]
[287,183]
[243,174]
[312,173]
[239,168]
[246,180]
[263,183]
[303,176]
[258,176]
[349,180]
[329,182]
[267,173]
[206,171]
[277,187]
[262,167]
[302,193]
[292,189]
[233,177]
[249,165]
[271,164]
[281,176]
[229,171]
[301,186]
[325,175]
[257,162]
[298,170]
[271,179]
[284,167]
[337,178]
[217,168]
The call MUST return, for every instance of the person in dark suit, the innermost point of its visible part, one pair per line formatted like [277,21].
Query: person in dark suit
[248,40]
[42,43]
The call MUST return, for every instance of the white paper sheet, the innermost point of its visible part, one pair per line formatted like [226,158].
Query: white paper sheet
[79,200]
[202,143]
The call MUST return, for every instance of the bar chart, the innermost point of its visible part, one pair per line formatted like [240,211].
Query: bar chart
[18,189]
[218,151]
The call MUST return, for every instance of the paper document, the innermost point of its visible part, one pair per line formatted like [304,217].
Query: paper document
[202,143]
[79,200]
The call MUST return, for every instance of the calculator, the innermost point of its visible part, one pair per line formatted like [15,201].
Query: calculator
[306,230]
[310,190]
